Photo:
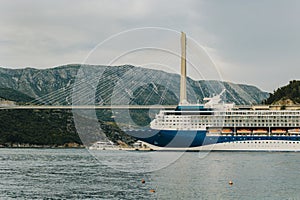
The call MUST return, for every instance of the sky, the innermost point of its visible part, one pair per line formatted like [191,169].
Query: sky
[253,42]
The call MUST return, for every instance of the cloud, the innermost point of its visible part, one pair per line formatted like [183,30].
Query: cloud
[253,42]
[258,40]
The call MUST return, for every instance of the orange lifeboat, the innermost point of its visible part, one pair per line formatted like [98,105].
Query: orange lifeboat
[215,131]
[278,131]
[226,131]
[244,131]
[260,131]
[294,131]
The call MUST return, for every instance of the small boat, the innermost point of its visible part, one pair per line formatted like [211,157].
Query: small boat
[103,145]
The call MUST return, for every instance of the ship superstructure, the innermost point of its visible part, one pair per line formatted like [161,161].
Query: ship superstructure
[218,126]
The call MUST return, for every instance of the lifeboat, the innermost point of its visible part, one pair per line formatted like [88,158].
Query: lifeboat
[260,131]
[226,131]
[244,131]
[214,131]
[278,131]
[294,131]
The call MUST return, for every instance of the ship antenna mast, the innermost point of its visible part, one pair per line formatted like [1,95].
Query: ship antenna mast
[183,96]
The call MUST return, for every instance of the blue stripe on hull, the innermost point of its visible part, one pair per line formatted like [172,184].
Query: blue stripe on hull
[172,138]
[176,138]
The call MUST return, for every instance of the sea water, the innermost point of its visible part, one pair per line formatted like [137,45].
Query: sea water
[80,174]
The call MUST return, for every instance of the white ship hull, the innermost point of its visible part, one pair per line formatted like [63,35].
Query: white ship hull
[254,145]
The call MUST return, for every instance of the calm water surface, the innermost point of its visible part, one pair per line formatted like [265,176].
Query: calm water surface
[76,174]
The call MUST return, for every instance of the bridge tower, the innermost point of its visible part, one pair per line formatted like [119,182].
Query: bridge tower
[183,96]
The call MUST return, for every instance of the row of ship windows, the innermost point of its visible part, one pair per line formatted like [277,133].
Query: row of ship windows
[260,124]
[233,121]
[182,124]
[228,125]
[254,114]
[260,113]
[233,124]
[263,117]
[261,120]
[262,142]
[253,139]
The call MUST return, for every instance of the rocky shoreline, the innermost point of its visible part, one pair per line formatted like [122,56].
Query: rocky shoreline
[16,145]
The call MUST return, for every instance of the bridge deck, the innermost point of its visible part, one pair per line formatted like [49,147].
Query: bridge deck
[87,107]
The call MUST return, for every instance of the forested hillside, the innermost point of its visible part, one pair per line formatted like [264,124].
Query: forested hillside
[288,92]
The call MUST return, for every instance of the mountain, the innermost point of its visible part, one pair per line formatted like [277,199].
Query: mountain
[117,84]
[289,94]
[14,95]
[52,128]
[37,127]
[95,84]
[38,82]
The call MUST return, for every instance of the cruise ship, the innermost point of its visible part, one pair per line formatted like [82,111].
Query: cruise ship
[217,126]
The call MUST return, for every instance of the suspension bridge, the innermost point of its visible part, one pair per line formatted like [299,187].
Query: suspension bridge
[87,107]
[128,87]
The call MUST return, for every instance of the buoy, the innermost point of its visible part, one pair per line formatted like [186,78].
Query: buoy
[152,191]
[143,181]
[230,183]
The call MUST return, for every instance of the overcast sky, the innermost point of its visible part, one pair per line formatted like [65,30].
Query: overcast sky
[255,42]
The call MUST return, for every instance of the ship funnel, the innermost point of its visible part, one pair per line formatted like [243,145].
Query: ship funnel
[183,96]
